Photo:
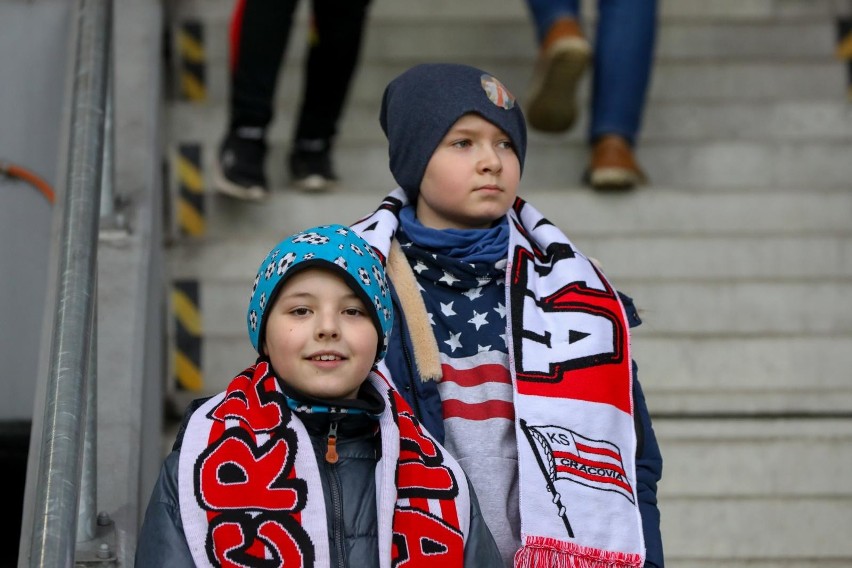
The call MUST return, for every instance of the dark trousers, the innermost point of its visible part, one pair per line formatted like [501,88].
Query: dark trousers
[259,33]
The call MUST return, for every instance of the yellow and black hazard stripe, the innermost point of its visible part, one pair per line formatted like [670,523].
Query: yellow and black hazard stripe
[188,371]
[193,61]
[844,49]
[190,207]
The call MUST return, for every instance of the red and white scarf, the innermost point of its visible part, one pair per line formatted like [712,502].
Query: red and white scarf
[251,495]
[571,370]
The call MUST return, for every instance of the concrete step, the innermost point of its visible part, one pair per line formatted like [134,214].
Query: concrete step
[751,344]
[688,375]
[739,493]
[681,376]
[693,147]
[780,11]
[702,53]
[691,166]
[815,78]
[507,37]
[720,236]
[669,309]
[670,121]
[633,260]
[654,211]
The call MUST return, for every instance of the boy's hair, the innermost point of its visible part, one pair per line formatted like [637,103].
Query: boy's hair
[420,106]
[334,247]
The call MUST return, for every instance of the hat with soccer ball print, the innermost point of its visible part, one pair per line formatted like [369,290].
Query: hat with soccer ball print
[338,248]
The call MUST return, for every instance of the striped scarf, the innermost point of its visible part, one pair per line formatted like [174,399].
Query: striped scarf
[251,494]
[570,365]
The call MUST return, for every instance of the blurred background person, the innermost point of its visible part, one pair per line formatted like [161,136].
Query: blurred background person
[259,33]
[621,58]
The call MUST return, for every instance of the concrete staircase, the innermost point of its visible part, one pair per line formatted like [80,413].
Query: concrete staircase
[739,253]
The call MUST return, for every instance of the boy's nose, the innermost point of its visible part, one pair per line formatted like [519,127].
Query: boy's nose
[327,328]
[489,160]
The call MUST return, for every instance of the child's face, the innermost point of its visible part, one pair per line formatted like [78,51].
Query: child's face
[472,178]
[319,335]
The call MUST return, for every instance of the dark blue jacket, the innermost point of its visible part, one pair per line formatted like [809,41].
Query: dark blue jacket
[350,494]
[424,399]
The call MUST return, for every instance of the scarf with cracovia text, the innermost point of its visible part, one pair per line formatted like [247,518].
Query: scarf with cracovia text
[251,495]
[571,371]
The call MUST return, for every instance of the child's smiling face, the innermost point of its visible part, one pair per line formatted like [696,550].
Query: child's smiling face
[320,337]
[472,177]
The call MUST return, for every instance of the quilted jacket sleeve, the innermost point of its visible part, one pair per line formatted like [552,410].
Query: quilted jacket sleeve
[649,470]
[649,461]
[161,540]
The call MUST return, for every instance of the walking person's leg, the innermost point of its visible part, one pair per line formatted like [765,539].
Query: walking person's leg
[564,54]
[258,38]
[337,30]
[623,60]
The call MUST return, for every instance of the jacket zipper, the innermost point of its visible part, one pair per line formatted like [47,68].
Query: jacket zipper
[331,444]
[331,458]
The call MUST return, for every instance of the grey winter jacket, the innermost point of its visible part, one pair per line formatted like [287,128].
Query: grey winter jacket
[350,496]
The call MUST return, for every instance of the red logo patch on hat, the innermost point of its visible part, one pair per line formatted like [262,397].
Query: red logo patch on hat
[497,93]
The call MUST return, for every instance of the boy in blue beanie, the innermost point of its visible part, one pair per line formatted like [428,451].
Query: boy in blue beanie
[512,348]
[310,457]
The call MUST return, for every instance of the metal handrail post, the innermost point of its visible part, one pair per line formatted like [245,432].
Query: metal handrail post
[107,192]
[87,510]
[60,455]
[87,514]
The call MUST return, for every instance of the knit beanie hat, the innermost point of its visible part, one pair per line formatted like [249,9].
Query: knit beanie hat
[329,246]
[422,104]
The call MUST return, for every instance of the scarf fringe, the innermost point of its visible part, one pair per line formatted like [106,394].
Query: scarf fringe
[542,552]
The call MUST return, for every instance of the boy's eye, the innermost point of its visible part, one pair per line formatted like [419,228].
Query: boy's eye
[300,311]
[506,144]
[461,143]
[353,311]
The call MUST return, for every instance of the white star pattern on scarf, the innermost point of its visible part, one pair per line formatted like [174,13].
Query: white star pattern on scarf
[454,341]
[473,293]
[501,309]
[447,309]
[448,278]
[478,319]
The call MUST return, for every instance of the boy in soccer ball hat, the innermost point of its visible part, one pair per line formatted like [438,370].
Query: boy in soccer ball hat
[310,453]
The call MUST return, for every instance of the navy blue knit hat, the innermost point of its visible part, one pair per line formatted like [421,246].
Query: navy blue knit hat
[329,246]
[422,104]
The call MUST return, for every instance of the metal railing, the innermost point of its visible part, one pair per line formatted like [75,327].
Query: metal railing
[64,495]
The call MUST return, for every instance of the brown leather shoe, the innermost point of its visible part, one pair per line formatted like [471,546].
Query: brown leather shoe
[562,58]
[613,166]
